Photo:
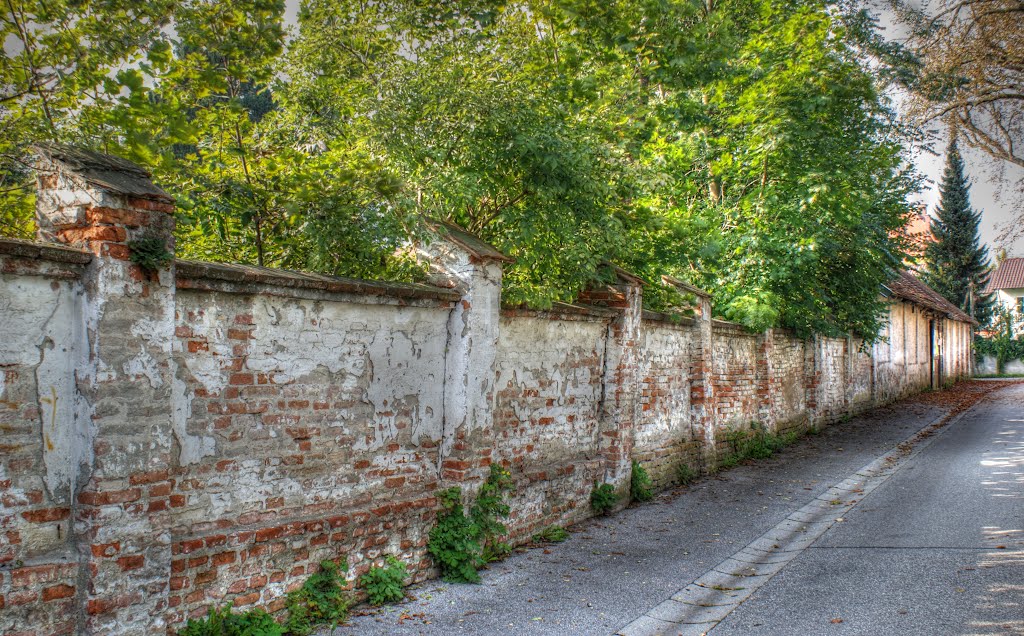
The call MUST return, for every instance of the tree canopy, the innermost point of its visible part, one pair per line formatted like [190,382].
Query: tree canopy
[742,145]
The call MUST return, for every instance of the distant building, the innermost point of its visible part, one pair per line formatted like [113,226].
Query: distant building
[919,232]
[1006,283]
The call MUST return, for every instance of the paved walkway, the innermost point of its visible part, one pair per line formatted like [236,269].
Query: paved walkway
[710,557]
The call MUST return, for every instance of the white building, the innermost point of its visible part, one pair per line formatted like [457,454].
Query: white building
[1006,283]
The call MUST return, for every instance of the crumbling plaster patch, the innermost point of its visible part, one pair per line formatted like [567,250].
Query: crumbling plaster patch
[44,330]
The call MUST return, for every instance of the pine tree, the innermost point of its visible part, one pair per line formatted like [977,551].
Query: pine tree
[956,261]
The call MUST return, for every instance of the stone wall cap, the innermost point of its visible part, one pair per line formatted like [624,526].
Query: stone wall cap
[566,308]
[473,244]
[625,275]
[675,282]
[668,317]
[47,251]
[717,323]
[106,172]
[235,273]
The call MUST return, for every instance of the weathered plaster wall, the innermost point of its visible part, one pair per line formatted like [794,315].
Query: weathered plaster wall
[549,370]
[304,429]
[44,434]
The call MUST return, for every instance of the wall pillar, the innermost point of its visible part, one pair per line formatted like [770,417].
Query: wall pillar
[812,379]
[460,260]
[620,407]
[702,397]
[120,512]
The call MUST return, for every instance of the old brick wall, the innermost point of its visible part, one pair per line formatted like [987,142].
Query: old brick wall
[202,433]
[549,369]
[787,395]
[667,434]
[735,378]
[304,418]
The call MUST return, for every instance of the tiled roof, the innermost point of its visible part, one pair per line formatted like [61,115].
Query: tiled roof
[1009,275]
[468,241]
[907,287]
[104,171]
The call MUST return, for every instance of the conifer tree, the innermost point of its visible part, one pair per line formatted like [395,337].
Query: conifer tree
[956,260]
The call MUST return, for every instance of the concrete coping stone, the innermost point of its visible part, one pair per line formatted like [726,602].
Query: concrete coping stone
[250,279]
[669,319]
[731,327]
[562,311]
[44,251]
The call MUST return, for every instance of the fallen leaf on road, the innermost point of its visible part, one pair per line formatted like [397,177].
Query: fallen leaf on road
[837,620]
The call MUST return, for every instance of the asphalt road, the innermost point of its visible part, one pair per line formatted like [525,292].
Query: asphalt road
[918,552]
[937,549]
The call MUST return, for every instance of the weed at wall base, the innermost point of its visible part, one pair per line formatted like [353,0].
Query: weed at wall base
[461,544]
[320,601]
[640,483]
[385,584]
[603,498]
[223,622]
[685,475]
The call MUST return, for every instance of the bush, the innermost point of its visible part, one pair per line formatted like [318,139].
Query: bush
[640,484]
[603,498]
[320,601]
[385,584]
[222,622]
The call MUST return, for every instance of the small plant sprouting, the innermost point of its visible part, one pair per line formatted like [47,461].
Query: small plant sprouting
[385,584]
[453,541]
[640,483]
[223,622]
[320,601]
[603,498]
[150,252]
[684,474]
[551,534]
[489,507]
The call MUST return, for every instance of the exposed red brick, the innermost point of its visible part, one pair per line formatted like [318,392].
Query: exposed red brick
[46,515]
[57,592]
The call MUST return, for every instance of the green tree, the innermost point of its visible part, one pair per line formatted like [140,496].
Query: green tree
[62,67]
[956,261]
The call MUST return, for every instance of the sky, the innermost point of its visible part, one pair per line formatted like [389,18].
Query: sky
[998,205]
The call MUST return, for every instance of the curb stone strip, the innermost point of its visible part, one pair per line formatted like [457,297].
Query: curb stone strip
[703,604]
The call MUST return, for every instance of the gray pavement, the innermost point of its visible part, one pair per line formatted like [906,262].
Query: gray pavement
[937,549]
[915,549]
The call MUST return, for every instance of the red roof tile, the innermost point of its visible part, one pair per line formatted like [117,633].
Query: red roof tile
[1009,275]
